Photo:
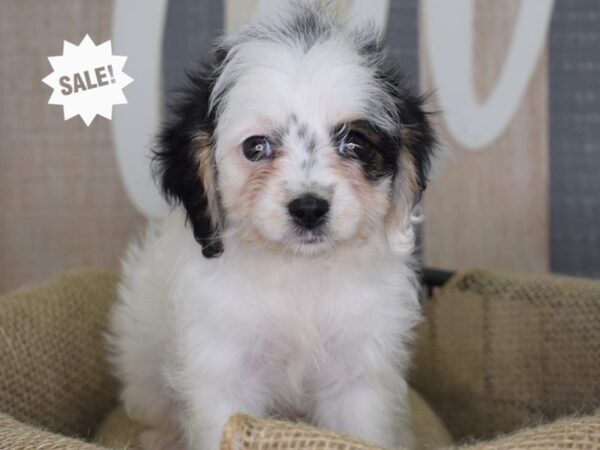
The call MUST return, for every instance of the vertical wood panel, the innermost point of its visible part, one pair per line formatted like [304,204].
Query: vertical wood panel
[575,137]
[489,208]
[62,203]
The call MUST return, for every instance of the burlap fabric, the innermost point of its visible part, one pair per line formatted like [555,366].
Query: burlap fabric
[500,352]
[53,372]
[249,433]
[15,435]
[496,353]
[582,433]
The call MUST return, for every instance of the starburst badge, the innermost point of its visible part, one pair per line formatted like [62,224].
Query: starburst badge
[87,80]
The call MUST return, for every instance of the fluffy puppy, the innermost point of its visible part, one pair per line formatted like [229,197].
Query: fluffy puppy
[281,283]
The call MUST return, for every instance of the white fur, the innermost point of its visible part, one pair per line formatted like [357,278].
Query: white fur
[274,327]
[265,333]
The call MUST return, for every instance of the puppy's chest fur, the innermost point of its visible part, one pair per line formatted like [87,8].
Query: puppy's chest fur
[296,324]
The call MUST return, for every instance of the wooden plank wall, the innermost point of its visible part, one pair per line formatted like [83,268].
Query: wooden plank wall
[62,202]
[489,208]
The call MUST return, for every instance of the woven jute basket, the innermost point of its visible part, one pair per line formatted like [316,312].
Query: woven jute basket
[507,362]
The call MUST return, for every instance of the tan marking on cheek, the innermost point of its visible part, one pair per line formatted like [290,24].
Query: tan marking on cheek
[408,172]
[346,211]
[254,186]
[273,215]
[251,237]
[374,201]
[370,197]
[406,188]
[347,170]
[206,172]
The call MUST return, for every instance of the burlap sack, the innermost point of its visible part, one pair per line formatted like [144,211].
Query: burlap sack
[15,435]
[53,372]
[249,433]
[501,352]
[496,353]
[577,433]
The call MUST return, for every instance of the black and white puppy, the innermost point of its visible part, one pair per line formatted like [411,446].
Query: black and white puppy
[281,284]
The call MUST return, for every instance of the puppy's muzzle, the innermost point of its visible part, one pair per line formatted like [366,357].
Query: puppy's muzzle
[309,211]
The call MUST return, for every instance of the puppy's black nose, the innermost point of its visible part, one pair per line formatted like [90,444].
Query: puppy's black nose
[308,211]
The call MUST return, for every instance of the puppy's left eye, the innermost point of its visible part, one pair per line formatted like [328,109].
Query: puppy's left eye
[257,148]
[354,145]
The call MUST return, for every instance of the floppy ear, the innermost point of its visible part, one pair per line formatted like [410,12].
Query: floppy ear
[184,161]
[416,148]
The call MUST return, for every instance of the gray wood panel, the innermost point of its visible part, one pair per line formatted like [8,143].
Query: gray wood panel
[402,36]
[190,28]
[575,137]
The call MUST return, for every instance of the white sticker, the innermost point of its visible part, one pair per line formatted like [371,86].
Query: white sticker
[87,80]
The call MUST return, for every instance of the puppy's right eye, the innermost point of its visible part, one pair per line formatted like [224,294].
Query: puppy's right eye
[257,148]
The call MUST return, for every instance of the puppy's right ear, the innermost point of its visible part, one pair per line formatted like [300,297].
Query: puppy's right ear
[184,162]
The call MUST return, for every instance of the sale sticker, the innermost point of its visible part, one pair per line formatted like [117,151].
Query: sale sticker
[87,80]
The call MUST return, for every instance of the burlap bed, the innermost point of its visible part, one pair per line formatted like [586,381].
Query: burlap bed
[497,354]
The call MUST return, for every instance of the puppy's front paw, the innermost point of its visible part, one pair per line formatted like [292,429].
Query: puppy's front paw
[157,439]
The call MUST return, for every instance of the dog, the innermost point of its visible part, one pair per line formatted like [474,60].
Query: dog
[283,283]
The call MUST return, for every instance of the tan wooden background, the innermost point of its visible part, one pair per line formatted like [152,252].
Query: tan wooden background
[62,203]
[490,208]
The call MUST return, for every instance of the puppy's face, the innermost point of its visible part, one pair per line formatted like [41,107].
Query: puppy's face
[301,160]
[308,141]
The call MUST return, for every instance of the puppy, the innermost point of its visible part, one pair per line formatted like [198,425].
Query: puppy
[281,283]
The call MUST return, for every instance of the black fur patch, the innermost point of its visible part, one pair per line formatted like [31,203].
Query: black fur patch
[414,132]
[419,138]
[308,25]
[175,161]
[380,157]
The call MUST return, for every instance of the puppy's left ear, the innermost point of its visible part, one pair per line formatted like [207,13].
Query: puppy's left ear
[184,162]
[417,145]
